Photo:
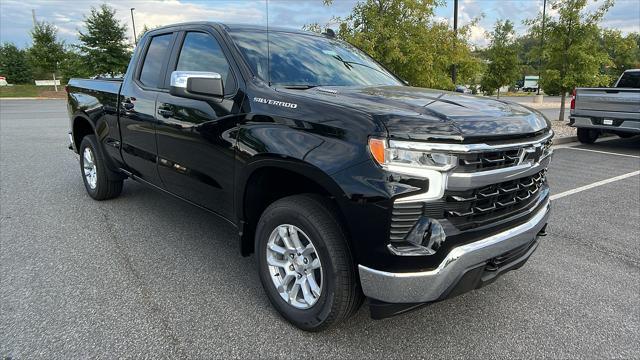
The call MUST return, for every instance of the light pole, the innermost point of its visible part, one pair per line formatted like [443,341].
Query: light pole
[544,12]
[133,24]
[454,69]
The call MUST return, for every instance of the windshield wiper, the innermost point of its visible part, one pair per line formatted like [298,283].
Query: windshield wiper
[349,64]
[297,87]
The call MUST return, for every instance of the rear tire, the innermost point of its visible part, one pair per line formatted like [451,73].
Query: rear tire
[625,135]
[311,218]
[587,136]
[95,174]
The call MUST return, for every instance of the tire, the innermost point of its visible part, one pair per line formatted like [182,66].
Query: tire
[587,136]
[96,178]
[625,135]
[340,295]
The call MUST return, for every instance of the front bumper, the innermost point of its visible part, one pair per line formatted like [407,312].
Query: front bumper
[446,279]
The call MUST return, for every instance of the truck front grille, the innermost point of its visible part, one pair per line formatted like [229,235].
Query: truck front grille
[490,160]
[473,205]
[477,207]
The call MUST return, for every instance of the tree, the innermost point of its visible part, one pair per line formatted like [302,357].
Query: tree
[502,55]
[73,65]
[104,42]
[405,37]
[622,51]
[528,63]
[46,51]
[145,29]
[14,65]
[572,56]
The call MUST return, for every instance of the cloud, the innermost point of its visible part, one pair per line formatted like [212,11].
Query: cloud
[478,36]
[16,20]
[68,15]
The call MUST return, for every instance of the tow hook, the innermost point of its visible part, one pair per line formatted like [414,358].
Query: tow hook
[543,231]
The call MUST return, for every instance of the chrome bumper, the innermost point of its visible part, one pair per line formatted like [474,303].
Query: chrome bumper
[631,126]
[419,287]
[72,146]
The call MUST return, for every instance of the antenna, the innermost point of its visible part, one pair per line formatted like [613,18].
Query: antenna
[268,48]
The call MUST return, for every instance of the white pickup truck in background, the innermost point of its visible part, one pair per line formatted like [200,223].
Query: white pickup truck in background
[616,110]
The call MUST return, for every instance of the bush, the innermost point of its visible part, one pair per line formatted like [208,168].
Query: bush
[14,65]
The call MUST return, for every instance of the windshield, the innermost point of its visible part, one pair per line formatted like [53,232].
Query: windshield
[307,60]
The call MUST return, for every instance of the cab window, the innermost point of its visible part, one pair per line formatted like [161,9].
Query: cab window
[630,79]
[154,59]
[201,52]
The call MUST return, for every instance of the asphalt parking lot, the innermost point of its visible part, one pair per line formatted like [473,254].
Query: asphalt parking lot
[146,275]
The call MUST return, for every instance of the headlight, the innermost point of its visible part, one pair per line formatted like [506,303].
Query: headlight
[402,159]
[398,157]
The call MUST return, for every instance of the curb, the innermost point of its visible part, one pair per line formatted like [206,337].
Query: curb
[564,140]
[30,98]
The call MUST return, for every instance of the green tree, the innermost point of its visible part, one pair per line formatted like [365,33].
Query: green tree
[14,65]
[572,56]
[623,52]
[502,55]
[73,65]
[46,51]
[404,36]
[104,42]
[527,57]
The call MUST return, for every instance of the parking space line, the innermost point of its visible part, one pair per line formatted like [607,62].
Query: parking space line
[602,152]
[595,184]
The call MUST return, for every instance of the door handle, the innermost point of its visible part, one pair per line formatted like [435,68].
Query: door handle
[165,112]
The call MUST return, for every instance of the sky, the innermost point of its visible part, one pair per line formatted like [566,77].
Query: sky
[16,17]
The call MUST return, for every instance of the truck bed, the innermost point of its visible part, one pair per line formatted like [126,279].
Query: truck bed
[110,86]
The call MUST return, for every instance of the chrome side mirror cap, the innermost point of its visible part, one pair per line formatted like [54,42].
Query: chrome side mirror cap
[201,85]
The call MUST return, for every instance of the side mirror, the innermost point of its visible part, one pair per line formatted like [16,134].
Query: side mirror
[201,85]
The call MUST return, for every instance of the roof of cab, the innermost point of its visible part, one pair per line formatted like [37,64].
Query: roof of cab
[239,27]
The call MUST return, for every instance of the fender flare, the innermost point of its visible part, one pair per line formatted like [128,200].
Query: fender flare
[81,115]
[277,161]
[111,167]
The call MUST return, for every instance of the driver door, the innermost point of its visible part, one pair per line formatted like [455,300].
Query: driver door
[195,148]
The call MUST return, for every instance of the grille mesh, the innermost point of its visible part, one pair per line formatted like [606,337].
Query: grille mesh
[480,161]
[488,160]
[472,208]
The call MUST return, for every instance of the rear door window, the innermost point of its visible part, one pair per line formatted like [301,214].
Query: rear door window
[154,60]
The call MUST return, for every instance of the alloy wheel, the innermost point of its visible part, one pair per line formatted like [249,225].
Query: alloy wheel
[89,167]
[294,266]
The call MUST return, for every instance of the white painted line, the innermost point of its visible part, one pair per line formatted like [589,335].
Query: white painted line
[603,152]
[591,186]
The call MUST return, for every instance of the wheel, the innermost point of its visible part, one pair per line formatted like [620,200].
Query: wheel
[94,172]
[305,264]
[587,136]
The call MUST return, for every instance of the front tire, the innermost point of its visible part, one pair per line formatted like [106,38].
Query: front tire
[95,175]
[305,264]
[587,136]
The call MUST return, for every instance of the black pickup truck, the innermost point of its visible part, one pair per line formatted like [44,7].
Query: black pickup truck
[344,181]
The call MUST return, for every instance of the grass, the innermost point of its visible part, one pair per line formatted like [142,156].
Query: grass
[31,91]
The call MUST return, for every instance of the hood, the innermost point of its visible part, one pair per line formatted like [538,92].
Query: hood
[426,114]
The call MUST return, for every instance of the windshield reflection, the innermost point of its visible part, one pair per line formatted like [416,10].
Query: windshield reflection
[299,59]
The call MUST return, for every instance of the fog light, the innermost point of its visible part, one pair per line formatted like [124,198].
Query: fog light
[424,239]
